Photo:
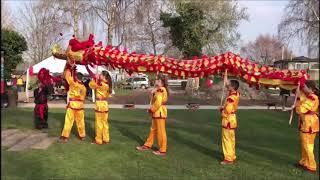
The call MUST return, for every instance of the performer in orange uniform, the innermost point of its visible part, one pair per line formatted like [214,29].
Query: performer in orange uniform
[158,111]
[102,86]
[308,109]
[75,111]
[229,122]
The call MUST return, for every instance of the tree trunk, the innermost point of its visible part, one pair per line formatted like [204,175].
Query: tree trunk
[75,19]
[111,22]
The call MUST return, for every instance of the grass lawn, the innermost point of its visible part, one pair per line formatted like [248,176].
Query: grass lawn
[266,148]
[123,92]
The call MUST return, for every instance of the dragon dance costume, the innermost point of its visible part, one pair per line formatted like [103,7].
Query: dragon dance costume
[158,111]
[102,127]
[75,111]
[229,125]
[41,108]
[307,108]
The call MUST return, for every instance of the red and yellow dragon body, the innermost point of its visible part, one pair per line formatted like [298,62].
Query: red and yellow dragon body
[89,53]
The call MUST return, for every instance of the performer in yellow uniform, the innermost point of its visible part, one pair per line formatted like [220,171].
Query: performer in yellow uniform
[102,86]
[308,109]
[75,111]
[229,122]
[158,111]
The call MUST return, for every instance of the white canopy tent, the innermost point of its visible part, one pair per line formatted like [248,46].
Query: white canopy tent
[55,65]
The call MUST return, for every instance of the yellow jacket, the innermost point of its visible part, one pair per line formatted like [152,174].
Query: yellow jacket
[159,99]
[19,81]
[102,93]
[308,109]
[229,120]
[302,97]
[77,92]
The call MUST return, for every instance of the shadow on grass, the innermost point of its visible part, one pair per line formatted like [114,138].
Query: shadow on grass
[265,152]
[90,131]
[131,123]
[202,149]
[129,134]
[59,116]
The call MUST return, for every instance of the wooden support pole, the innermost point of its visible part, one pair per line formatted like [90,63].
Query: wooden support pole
[224,85]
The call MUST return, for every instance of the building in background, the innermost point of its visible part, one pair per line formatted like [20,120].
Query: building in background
[300,63]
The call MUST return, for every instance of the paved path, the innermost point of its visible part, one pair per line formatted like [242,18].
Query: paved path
[16,140]
[120,106]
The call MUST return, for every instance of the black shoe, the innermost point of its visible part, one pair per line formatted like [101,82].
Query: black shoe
[297,165]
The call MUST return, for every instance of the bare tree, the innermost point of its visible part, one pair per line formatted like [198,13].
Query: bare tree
[223,19]
[301,20]
[73,13]
[115,15]
[265,49]
[6,16]
[148,27]
[38,23]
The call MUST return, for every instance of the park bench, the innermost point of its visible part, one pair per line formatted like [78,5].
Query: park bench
[193,106]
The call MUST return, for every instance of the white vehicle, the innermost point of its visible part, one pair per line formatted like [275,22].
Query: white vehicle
[176,82]
[142,75]
[138,82]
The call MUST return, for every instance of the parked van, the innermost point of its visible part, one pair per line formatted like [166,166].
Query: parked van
[137,82]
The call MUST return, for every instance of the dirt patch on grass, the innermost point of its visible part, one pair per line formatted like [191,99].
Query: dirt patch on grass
[16,140]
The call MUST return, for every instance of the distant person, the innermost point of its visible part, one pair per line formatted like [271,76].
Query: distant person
[20,84]
[86,84]
[196,85]
[4,96]
[229,122]
[3,84]
[14,81]
[284,97]
[40,95]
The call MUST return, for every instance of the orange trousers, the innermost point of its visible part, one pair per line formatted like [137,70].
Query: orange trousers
[72,115]
[307,145]
[229,144]
[158,130]
[102,127]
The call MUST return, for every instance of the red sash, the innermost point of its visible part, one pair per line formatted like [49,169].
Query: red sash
[75,99]
[41,110]
[101,99]
[311,113]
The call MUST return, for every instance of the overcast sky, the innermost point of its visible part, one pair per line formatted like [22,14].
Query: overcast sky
[264,17]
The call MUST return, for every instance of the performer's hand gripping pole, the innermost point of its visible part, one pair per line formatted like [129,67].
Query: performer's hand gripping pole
[294,103]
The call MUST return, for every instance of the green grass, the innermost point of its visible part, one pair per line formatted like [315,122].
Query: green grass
[266,148]
[123,92]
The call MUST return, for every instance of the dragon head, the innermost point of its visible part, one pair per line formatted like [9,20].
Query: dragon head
[77,52]
[45,78]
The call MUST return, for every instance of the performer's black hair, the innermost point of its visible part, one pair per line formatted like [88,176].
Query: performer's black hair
[109,79]
[235,84]
[79,76]
[313,86]
[164,81]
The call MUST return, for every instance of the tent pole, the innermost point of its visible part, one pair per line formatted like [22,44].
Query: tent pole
[27,85]
[93,95]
